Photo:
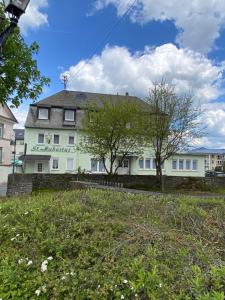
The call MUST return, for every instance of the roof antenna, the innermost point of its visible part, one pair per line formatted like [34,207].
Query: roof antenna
[65,81]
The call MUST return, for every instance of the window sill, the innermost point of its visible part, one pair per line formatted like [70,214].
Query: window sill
[185,170]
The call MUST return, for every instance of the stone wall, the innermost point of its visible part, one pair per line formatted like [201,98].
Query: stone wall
[19,184]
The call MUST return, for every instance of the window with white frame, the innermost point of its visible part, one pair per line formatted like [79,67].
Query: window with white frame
[55,163]
[148,163]
[71,140]
[188,164]
[41,138]
[1,155]
[56,139]
[70,164]
[181,164]
[174,164]
[43,113]
[97,166]
[195,165]
[141,163]
[69,115]
[1,130]
[154,164]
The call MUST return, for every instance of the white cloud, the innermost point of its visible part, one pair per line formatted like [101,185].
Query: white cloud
[117,70]
[34,17]
[21,115]
[199,21]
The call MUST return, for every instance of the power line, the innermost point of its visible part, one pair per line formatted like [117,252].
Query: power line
[108,35]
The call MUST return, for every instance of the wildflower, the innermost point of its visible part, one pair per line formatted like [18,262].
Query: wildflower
[63,278]
[43,288]
[122,297]
[20,261]
[115,285]
[38,292]
[136,295]
[17,235]
[72,273]
[44,266]
[26,213]
[125,281]
[13,239]
[50,258]
[99,286]
[132,288]
[29,263]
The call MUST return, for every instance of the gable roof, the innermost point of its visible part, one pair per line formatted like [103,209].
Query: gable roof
[77,99]
[70,100]
[7,113]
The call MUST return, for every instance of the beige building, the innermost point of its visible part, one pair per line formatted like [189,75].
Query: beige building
[214,158]
[7,121]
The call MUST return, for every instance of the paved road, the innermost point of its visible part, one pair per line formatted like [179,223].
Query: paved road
[3,188]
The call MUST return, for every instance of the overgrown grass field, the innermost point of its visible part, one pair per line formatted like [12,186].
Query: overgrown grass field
[105,245]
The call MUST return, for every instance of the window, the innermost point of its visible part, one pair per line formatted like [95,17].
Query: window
[162,165]
[94,165]
[55,163]
[56,139]
[174,164]
[1,130]
[41,138]
[1,155]
[43,113]
[148,163]
[69,115]
[181,164]
[71,140]
[154,164]
[188,164]
[97,165]
[141,163]
[126,163]
[195,165]
[70,164]
[21,143]
[40,167]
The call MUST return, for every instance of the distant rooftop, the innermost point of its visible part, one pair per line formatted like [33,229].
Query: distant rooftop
[19,134]
[203,150]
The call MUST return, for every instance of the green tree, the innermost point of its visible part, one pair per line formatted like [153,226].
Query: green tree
[173,122]
[19,75]
[112,131]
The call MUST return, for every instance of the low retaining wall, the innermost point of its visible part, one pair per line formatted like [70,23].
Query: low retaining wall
[19,184]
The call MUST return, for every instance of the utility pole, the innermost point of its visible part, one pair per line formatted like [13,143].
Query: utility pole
[65,81]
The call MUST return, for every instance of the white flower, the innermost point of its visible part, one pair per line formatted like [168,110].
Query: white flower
[136,295]
[20,261]
[50,258]
[38,292]
[122,297]
[99,286]
[26,213]
[115,285]
[44,266]
[132,288]
[13,239]
[71,273]
[30,263]
[125,281]
[63,278]
[160,285]
[43,288]
[17,235]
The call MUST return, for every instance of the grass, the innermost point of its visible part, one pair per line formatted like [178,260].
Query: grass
[105,245]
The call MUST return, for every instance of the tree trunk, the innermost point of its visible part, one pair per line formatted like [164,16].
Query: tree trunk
[159,172]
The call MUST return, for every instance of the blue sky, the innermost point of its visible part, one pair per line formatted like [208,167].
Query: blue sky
[181,41]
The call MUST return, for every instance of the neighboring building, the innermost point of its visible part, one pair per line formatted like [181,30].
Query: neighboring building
[53,130]
[7,121]
[214,158]
[19,142]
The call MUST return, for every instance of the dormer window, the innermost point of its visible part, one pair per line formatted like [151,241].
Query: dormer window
[43,113]
[69,115]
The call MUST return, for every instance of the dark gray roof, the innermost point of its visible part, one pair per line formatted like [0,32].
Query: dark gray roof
[35,157]
[70,100]
[75,99]
[19,134]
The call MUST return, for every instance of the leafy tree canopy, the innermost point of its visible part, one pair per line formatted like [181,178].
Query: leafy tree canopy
[19,75]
